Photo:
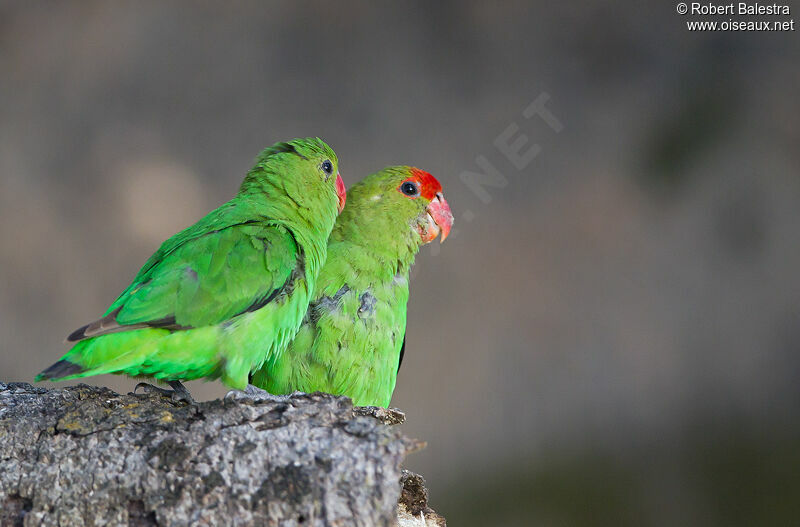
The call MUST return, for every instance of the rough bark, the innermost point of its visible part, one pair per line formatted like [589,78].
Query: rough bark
[413,509]
[88,456]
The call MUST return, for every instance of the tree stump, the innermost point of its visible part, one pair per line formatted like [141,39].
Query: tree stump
[89,456]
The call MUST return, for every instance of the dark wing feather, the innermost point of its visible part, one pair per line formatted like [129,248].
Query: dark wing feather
[402,352]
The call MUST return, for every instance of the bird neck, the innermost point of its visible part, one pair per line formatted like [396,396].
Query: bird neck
[309,223]
[379,247]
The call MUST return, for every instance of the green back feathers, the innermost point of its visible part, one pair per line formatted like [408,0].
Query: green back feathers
[284,187]
[221,296]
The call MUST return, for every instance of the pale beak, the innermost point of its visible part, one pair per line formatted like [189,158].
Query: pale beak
[439,218]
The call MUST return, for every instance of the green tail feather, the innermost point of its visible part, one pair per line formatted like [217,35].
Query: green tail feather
[143,352]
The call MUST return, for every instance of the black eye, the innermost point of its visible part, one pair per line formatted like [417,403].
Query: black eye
[409,189]
[327,166]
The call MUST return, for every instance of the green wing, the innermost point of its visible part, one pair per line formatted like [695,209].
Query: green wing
[203,280]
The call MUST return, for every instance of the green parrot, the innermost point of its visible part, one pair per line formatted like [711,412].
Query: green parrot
[352,338]
[220,297]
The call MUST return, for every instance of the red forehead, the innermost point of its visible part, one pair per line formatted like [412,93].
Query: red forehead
[428,185]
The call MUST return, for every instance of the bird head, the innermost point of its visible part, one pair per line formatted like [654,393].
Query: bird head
[434,215]
[397,204]
[307,170]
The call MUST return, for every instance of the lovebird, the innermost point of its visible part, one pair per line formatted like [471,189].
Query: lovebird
[220,297]
[352,339]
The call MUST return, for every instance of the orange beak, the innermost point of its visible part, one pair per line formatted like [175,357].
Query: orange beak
[341,192]
[439,219]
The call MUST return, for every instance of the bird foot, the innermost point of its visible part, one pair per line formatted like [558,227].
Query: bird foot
[388,416]
[177,394]
[252,393]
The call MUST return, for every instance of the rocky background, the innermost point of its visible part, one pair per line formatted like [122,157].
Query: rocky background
[610,337]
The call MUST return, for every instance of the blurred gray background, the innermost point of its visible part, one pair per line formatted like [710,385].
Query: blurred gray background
[611,339]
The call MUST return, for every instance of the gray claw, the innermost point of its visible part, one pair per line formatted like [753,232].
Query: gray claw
[178,393]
